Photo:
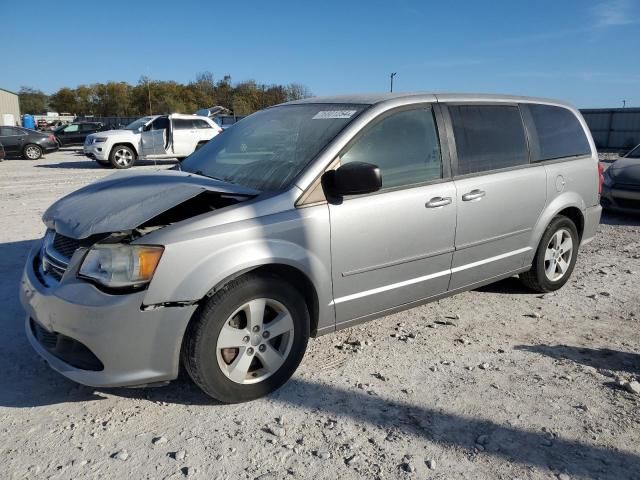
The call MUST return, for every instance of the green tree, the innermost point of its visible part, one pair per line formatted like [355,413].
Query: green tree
[32,101]
[64,101]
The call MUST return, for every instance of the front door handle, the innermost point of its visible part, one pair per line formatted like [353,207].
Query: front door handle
[436,202]
[473,195]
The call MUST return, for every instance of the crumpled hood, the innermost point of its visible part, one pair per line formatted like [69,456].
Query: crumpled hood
[626,170]
[116,133]
[124,201]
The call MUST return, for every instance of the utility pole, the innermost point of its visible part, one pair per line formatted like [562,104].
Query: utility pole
[149,95]
[624,103]
[391,77]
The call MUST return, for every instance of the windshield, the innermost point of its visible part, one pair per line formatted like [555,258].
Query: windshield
[268,149]
[135,126]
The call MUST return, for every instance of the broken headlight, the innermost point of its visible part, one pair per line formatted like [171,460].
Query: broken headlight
[121,265]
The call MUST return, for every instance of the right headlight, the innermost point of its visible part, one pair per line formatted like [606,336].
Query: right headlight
[120,265]
[99,139]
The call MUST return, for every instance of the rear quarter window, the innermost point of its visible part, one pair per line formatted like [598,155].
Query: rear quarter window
[488,137]
[558,131]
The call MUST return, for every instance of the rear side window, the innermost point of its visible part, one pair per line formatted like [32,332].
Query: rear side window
[488,137]
[201,124]
[403,145]
[182,124]
[559,133]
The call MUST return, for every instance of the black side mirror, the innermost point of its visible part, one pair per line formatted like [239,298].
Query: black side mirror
[353,178]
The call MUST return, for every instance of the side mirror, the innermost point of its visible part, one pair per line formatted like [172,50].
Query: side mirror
[622,153]
[354,178]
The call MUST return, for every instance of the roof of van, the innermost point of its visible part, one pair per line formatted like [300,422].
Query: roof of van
[373,98]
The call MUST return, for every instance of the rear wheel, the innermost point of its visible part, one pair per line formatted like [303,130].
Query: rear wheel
[555,258]
[32,152]
[247,340]
[122,156]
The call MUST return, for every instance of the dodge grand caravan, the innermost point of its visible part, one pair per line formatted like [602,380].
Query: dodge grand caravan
[302,219]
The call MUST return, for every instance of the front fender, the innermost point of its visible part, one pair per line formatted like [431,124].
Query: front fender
[189,269]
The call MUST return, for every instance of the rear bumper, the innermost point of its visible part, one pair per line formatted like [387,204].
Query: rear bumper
[591,222]
[133,346]
[626,201]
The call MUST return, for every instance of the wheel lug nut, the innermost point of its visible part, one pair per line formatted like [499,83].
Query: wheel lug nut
[256,328]
[250,351]
[262,348]
[245,339]
[265,334]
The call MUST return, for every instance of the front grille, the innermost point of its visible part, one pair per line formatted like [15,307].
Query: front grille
[66,348]
[64,245]
[627,203]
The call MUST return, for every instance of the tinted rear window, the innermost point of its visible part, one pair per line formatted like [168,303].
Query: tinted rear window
[559,133]
[488,137]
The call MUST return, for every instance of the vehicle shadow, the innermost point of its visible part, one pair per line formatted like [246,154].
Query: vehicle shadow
[26,380]
[508,286]
[614,218]
[600,358]
[430,423]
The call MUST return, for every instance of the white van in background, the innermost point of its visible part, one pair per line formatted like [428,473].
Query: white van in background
[152,137]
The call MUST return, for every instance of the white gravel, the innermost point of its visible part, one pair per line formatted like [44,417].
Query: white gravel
[498,383]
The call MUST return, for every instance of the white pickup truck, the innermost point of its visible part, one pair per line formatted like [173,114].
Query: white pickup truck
[152,137]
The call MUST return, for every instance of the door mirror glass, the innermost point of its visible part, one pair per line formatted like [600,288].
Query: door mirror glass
[354,178]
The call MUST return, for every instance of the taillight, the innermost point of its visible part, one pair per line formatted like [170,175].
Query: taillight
[52,138]
[600,177]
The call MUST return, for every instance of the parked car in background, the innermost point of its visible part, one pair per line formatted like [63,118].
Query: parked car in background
[152,137]
[76,133]
[29,144]
[621,186]
[302,219]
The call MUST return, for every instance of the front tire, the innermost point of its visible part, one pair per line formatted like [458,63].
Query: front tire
[32,152]
[248,339]
[555,257]
[121,157]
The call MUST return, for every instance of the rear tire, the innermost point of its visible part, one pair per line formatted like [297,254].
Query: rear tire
[555,257]
[122,156]
[32,151]
[247,339]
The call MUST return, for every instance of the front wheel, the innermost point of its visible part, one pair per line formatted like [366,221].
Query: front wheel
[248,339]
[555,258]
[32,152]
[122,156]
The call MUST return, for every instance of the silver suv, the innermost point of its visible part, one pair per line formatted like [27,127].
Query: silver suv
[302,219]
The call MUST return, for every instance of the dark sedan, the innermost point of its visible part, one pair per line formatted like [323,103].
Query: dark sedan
[76,133]
[29,144]
[621,187]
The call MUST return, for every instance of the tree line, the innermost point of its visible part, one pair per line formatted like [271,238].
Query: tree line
[160,97]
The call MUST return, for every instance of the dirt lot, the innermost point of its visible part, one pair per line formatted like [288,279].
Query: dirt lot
[498,383]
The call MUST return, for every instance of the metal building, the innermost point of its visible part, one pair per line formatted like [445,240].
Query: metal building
[9,108]
[613,129]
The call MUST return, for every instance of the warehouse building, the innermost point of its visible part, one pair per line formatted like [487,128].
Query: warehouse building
[9,108]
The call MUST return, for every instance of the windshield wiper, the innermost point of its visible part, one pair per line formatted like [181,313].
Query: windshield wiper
[202,174]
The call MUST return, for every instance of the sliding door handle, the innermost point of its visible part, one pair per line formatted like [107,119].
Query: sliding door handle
[436,202]
[473,195]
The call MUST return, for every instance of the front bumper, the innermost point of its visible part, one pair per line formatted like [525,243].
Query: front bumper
[620,200]
[134,346]
[96,151]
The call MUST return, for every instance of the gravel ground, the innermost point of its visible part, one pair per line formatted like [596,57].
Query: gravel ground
[497,383]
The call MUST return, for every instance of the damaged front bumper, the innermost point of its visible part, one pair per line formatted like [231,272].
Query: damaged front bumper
[99,339]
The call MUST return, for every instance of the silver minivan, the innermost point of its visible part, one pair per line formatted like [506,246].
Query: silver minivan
[302,219]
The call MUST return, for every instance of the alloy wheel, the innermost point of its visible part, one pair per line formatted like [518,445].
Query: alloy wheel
[255,341]
[32,152]
[123,157]
[557,256]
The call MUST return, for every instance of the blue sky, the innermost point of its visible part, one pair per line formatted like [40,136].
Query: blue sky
[583,51]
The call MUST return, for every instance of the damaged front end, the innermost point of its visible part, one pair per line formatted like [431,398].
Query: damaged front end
[91,231]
